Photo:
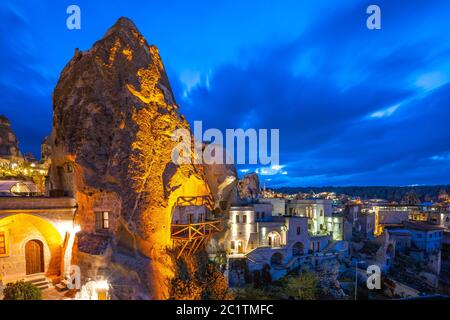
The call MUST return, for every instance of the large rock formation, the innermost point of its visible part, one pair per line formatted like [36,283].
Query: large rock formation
[9,146]
[249,186]
[114,117]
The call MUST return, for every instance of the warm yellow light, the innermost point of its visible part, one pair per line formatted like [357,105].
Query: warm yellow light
[101,285]
[76,228]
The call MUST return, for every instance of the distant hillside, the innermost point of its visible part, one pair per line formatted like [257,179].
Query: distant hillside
[425,193]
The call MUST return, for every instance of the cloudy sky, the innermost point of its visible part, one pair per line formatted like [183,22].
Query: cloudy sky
[354,106]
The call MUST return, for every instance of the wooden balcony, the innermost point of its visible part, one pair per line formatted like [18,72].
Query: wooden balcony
[206,201]
[193,236]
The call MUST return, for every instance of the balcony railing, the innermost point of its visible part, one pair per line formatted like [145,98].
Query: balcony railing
[207,201]
[192,236]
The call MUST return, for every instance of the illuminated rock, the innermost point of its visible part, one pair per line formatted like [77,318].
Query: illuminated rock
[9,145]
[249,186]
[114,115]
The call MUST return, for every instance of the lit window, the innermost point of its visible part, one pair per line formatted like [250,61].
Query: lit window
[69,168]
[102,220]
[2,243]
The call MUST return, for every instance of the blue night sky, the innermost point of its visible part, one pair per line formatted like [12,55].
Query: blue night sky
[354,106]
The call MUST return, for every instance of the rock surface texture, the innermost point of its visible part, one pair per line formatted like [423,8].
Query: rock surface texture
[9,146]
[249,186]
[114,117]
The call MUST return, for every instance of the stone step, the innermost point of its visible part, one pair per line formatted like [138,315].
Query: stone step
[39,280]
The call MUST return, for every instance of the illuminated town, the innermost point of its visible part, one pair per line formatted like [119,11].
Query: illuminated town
[104,213]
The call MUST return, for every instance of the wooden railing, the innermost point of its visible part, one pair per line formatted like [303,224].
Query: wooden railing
[207,201]
[192,236]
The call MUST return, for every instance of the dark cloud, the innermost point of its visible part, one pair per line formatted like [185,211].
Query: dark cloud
[26,90]
[321,91]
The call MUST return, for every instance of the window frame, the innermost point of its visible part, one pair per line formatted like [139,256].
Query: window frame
[102,220]
[5,236]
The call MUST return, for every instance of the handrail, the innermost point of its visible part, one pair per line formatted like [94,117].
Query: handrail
[193,235]
[185,201]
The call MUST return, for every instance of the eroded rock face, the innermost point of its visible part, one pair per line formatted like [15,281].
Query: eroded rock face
[249,186]
[9,146]
[114,115]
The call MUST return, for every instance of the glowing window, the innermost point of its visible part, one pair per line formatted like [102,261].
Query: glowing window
[2,243]
[102,220]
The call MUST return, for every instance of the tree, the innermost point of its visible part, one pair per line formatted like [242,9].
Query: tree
[302,287]
[22,291]
[215,286]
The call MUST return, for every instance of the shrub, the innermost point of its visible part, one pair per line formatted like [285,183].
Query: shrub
[21,290]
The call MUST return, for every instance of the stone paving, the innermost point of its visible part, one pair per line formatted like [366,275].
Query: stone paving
[53,294]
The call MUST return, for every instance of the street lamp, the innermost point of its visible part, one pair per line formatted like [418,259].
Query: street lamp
[356,277]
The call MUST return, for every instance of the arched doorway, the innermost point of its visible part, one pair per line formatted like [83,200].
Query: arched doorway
[240,247]
[274,239]
[34,257]
[298,249]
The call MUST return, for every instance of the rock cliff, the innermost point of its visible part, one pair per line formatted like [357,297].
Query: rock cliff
[9,146]
[249,186]
[114,116]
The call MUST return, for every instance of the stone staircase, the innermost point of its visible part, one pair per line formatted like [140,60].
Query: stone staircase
[39,280]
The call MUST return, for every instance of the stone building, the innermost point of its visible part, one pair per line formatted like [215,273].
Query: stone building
[321,220]
[36,237]
[260,240]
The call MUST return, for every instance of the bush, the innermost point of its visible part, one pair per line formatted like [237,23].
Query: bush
[22,291]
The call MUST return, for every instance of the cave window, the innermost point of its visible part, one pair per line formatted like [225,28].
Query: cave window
[233,246]
[244,218]
[237,218]
[102,220]
[69,168]
[299,230]
[2,243]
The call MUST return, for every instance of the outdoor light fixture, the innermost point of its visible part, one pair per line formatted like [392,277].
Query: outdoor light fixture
[102,289]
